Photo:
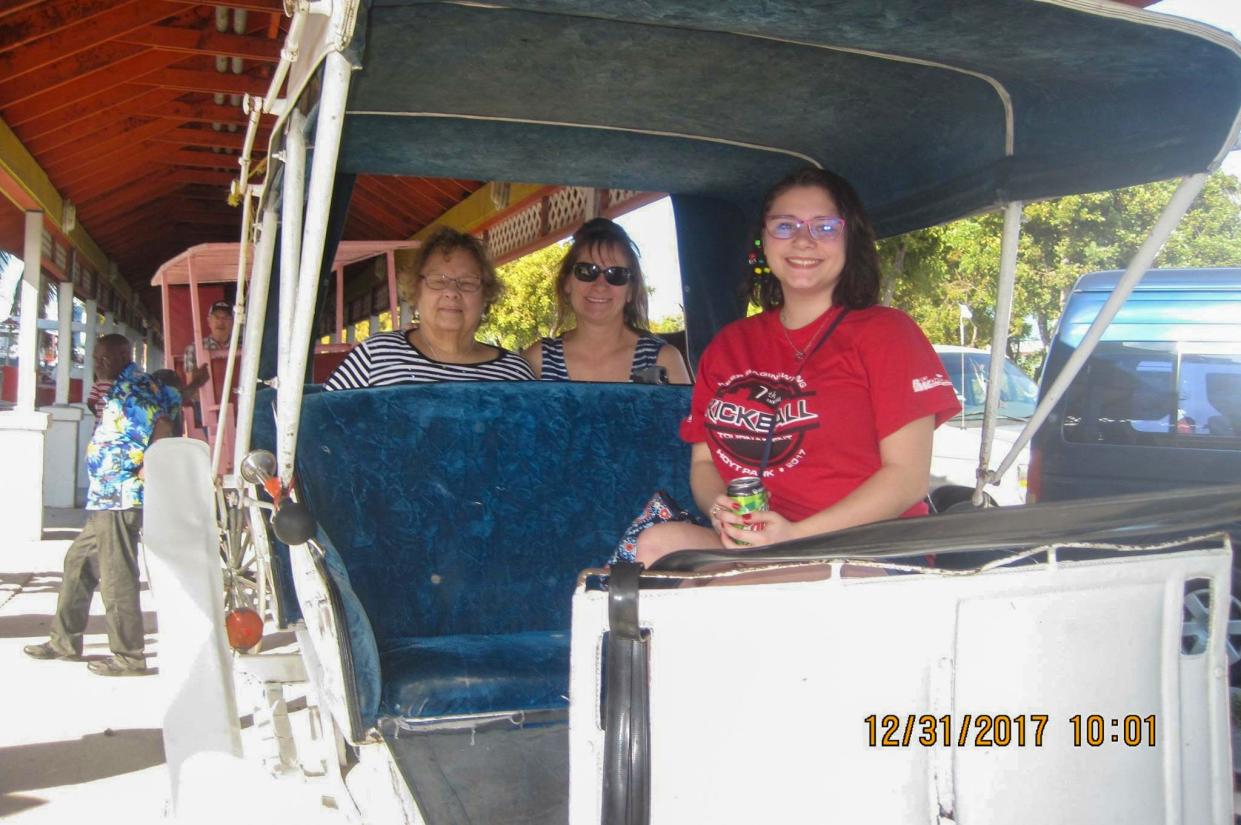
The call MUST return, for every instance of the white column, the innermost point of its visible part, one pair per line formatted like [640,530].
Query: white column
[92,332]
[64,340]
[28,335]
[23,429]
[88,355]
[407,315]
[374,319]
[60,446]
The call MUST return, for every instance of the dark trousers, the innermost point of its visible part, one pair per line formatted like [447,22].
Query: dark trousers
[104,556]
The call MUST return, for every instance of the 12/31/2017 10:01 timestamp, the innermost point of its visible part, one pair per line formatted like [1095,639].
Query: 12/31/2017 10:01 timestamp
[987,730]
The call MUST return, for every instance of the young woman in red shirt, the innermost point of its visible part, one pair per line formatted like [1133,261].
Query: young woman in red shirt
[830,398]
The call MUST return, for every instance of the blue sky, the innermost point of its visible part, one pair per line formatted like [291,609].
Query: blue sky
[652,226]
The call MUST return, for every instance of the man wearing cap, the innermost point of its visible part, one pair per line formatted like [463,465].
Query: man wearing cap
[219,329]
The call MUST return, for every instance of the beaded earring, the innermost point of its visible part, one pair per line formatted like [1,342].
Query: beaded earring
[758,263]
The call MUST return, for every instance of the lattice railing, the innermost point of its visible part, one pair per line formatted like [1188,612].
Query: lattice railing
[560,211]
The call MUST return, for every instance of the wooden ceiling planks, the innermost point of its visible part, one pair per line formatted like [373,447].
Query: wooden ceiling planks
[123,105]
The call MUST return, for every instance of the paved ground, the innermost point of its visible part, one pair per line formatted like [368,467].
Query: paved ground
[80,747]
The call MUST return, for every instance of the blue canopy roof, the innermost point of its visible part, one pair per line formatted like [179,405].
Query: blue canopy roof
[932,109]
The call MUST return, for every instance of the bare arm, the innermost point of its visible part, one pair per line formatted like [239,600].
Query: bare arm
[704,479]
[670,359]
[534,357]
[899,483]
[196,378]
[162,429]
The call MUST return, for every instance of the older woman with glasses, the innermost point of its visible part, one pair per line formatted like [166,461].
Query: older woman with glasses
[600,291]
[451,285]
[828,398]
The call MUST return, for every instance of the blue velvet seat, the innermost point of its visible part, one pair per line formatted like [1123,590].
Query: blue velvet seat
[461,515]
[456,675]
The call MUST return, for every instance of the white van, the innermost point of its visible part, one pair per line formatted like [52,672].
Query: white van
[954,457]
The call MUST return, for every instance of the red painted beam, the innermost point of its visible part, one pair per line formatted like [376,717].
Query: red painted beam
[79,92]
[248,5]
[85,36]
[189,112]
[68,159]
[87,116]
[209,42]
[46,18]
[194,80]
[138,163]
[85,135]
[209,138]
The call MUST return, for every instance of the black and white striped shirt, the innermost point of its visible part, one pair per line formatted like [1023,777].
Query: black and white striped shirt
[389,358]
[645,354]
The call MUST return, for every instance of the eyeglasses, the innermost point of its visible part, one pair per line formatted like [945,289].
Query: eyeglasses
[589,273]
[821,229]
[466,284]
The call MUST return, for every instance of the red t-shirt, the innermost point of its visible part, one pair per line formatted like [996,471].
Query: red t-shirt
[875,374]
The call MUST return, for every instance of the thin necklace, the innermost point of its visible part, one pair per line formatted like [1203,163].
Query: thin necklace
[434,352]
[800,354]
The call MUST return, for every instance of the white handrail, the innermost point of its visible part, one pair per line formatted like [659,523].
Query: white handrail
[999,342]
[331,120]
[1177,206]
[292,206]
[239,319]
[251,350]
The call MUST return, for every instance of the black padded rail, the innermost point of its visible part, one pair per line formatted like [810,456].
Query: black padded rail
[627,735]
[1132,519]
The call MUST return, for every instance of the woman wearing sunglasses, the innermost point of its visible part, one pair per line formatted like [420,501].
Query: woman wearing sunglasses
[450,285]
[600,290]
[828,397]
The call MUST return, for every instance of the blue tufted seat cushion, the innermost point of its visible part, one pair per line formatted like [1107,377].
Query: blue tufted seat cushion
[463,513]
[460,675]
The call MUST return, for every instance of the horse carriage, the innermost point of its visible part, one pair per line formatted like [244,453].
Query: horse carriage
[198,278]
[472,658]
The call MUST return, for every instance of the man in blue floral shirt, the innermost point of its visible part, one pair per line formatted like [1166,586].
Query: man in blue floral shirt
[137,410]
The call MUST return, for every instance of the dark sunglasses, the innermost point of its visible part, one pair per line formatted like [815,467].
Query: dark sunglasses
[589,273]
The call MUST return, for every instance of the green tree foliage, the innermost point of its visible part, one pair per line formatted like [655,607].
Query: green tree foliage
[527,307]
[673,323]
[930,272]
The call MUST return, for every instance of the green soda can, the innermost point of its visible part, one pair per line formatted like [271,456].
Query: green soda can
[750,495]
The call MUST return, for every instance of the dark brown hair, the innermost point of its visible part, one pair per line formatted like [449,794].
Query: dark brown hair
[444,241]
[858,286]
[595,234]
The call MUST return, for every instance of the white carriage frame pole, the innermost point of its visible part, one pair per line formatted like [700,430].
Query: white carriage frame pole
[1178,205]
[340,336]
[292,204]
[239,319]
[196,322]
[260,279]
[165,308]
[999,342]
[336,76]
[394,301]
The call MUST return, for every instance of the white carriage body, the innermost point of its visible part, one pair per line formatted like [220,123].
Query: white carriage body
[759,696]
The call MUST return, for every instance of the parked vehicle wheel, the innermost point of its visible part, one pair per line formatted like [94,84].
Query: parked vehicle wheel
[1195,633]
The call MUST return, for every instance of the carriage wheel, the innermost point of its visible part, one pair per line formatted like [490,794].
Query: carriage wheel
[247,571]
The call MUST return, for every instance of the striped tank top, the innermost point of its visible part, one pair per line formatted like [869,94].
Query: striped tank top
[554,369]
[389,358]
